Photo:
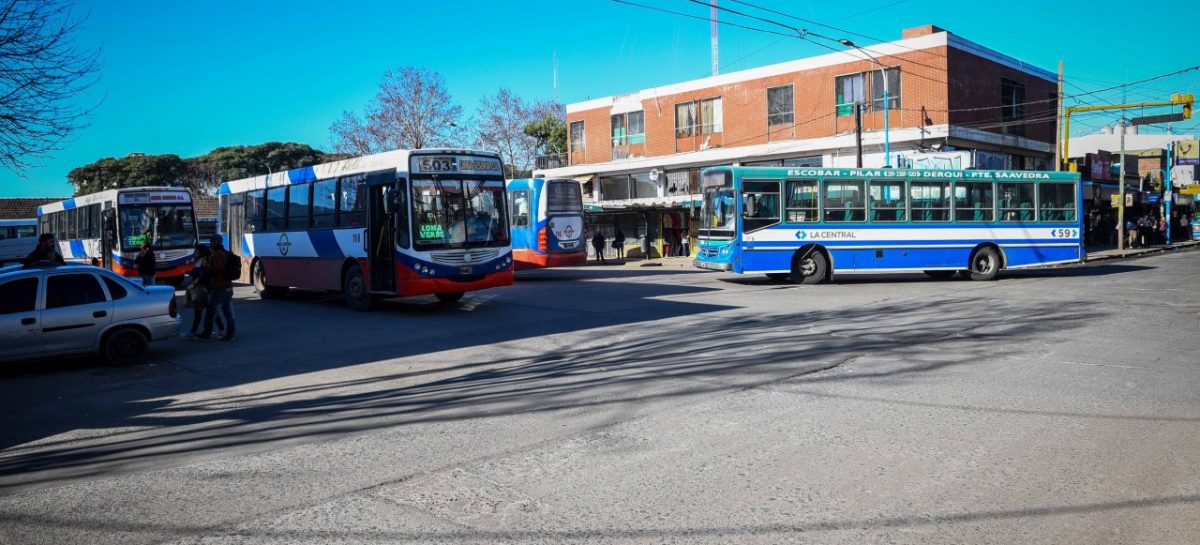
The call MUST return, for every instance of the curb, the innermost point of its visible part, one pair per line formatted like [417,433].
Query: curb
[1133,254]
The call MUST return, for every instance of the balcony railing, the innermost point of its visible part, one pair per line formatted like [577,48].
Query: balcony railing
[556,160]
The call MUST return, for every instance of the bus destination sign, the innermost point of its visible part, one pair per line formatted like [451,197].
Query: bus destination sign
[455,164]
[154,197]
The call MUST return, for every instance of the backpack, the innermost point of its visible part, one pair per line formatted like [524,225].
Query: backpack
[233,267]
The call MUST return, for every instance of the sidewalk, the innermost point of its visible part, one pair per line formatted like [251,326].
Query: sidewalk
[667,262]
[1102,255]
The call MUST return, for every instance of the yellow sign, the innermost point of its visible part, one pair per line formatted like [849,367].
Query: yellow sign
[1116,203]
[1193,189]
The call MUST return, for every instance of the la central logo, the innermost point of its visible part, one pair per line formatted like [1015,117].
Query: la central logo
[801,235]
[284,244]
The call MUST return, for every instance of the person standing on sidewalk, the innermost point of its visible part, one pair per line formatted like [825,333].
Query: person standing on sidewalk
[618,244]
[598,244]
[146,264]
[220,293]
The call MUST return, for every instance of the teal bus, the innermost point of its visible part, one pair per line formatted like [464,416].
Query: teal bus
[805,224]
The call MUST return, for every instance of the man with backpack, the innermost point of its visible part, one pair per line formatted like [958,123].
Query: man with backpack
[224,269]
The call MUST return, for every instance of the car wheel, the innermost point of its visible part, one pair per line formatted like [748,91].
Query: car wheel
[126,346]
[354,287]
[809,268]
[264,290]
[449,298]
[985,264]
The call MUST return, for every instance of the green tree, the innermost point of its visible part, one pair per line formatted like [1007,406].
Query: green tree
[550,131]
[135,170]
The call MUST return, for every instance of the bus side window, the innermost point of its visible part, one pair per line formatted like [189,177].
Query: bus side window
[520,208]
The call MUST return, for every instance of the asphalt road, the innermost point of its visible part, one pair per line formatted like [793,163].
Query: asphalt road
[614,405]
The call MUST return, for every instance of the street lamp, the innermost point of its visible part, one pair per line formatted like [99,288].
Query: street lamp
[887,145]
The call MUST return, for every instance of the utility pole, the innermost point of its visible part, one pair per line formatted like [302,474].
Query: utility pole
[1058,135]
[712,30]
[1121,191]
[858,108]
[1168,194]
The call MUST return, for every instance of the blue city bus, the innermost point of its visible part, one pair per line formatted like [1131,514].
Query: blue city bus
[805,224]
[394,224]
[547,223]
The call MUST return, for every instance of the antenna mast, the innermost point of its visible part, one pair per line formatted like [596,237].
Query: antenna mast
[712,15]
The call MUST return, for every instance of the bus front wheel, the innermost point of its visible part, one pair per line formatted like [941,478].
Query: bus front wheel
[985,264]
[265,290]
[810,267]
[354,287]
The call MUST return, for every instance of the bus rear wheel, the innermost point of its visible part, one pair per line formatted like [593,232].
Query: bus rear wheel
[449,297]
[809,268]
[354,287]
[985,264]
[265,290]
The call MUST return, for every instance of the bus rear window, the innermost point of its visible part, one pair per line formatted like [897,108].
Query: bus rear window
[563,197]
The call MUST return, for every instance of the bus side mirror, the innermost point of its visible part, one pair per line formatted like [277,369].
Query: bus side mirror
[393,201]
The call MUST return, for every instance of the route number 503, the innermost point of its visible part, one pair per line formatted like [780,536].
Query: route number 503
[1064,233]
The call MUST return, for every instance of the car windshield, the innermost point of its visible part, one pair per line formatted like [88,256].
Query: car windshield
[164,226]
[459,213]
[717,218]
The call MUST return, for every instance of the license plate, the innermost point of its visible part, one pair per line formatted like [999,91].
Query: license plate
[466,270]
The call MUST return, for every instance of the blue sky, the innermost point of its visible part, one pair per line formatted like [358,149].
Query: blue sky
[186,77]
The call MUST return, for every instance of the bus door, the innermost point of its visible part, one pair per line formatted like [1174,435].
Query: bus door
[108,237]
[381,237]
[233,218]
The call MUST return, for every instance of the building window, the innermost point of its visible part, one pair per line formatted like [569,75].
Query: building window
[1012,104]
[577,141]
[780,107]
[893,88]
[698,117]
[710,116]
[629,128]
[636,124]
[685,119]
[849,90]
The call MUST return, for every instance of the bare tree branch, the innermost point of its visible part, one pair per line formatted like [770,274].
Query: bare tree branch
[412,110]
[42,72]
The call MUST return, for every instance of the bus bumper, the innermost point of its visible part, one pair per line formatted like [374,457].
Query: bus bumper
[712,265]
[411,283]
[529,259]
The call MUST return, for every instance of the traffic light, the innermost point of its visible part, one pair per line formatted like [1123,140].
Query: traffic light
[1186,100]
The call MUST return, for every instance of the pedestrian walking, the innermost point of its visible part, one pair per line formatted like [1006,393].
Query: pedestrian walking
[145,262]
[618,244]
[196,292]
[1131,233]
[221,273]
[46,250]
[598,244]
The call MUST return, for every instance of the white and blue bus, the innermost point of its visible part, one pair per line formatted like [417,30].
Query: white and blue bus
[398,223]
[109,228]
[18,237]
[805,224]
[547,223]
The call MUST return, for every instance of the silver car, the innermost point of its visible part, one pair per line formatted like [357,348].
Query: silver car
[56,310]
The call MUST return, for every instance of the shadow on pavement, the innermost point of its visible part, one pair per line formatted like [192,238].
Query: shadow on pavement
[604,360]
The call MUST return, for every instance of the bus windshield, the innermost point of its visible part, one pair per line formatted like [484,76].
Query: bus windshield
[164,226]
[717,217]
[459,213]
[564,197]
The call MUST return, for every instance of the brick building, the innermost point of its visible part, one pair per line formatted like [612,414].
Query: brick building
[951,102]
